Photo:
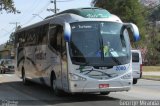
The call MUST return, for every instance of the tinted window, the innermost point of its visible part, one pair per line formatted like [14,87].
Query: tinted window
[135,57]
[20,38]
[42,34]
[55,36]
[52,36]
[32,37]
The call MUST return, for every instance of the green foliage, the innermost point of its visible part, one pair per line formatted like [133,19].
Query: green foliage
[153,47]
[10,43]
[8,6]
[155,14]
[153,37]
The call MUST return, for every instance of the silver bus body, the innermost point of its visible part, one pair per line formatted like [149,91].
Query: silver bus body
[42,61]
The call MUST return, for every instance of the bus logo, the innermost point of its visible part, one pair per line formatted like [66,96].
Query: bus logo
[120,68]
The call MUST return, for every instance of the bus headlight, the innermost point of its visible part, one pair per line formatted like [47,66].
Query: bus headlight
[74,77]
[127,76]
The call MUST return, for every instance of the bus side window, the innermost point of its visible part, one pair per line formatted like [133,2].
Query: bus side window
[21,39]
[59,38]
[42,33]
[55,34]
[52,36]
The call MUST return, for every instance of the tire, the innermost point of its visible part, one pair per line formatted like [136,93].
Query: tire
[54,88]
[2,71]
[24,80]
[135,81]
[104,93]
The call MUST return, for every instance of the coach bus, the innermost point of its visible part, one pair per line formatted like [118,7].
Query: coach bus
[84,50]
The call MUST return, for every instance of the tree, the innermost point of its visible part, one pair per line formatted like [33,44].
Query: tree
[8,6]
[153,54]
[154,36]
[155,14]
[10,43]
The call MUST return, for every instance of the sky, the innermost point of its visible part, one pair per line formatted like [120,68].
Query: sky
[33,11]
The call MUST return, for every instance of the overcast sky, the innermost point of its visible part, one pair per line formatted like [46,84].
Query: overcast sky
[30,7]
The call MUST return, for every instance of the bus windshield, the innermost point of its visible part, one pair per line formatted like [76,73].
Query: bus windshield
[99,44]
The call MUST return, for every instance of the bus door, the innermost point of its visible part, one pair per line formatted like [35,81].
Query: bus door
[62,56]
[58,55]
[55,52]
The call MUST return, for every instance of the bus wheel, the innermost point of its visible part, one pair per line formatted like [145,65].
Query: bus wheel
[104,93]
[24,77]
[54,86]
[134,81]
[3,71]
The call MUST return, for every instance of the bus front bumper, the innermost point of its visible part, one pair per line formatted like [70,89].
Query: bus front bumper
[94,86]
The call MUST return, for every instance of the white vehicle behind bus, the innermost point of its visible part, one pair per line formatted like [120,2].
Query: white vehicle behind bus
[85,50]
[136,65]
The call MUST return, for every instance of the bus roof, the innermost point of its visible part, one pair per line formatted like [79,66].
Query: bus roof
[93,12]
[73,15]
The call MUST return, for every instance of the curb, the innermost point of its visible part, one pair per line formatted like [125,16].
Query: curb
[151,79]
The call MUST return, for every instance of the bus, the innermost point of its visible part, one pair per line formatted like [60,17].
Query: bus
[83,50]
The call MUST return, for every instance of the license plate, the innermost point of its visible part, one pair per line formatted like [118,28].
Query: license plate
[103,85]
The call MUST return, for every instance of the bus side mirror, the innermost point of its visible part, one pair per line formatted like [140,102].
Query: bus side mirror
[67,32]
[132,31]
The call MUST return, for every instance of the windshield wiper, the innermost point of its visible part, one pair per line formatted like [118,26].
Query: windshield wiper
[115,59]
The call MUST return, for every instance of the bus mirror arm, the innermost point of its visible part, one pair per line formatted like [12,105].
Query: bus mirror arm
[133,31]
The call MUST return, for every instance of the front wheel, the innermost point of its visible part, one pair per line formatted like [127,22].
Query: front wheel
[55,90]
[135,81]
[2,71]
[104,93]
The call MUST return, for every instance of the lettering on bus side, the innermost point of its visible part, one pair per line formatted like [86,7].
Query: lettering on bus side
[121,68]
